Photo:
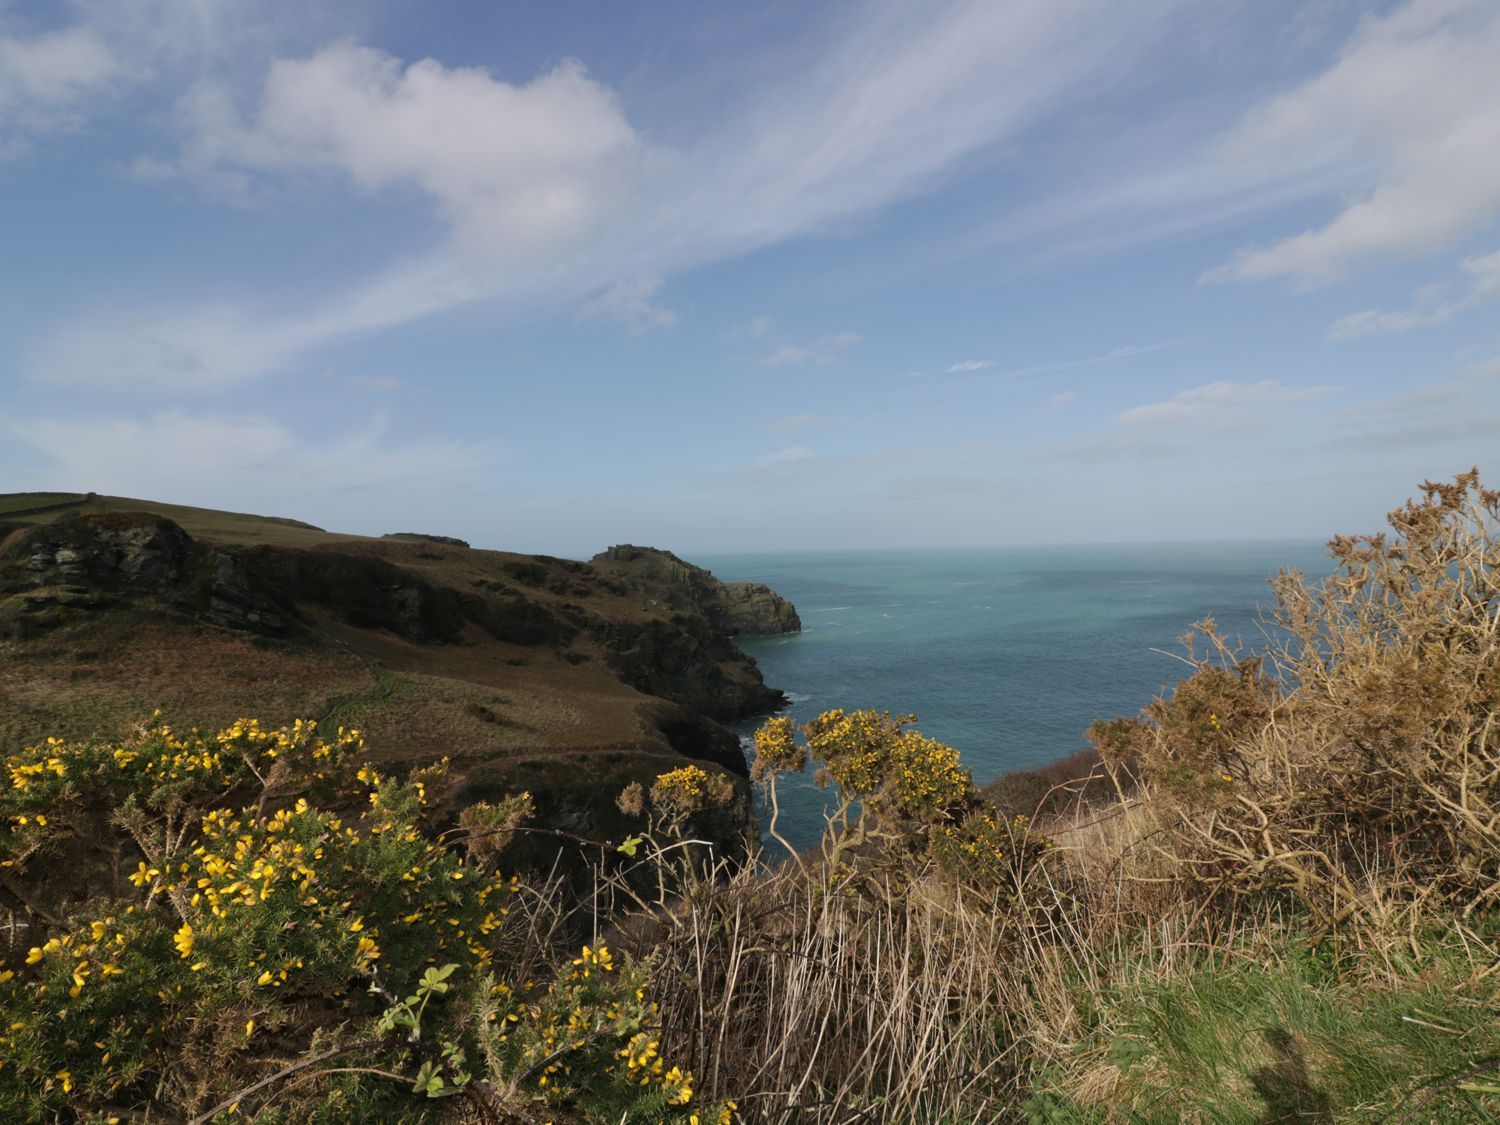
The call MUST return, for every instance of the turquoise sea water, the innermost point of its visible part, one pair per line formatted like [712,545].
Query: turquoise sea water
[1005,654]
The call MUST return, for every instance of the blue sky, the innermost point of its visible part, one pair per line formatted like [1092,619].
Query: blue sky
[759,276]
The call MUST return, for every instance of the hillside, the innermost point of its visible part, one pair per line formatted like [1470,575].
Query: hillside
[528,672]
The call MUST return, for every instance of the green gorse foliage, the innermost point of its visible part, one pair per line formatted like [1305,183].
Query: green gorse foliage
[237,935]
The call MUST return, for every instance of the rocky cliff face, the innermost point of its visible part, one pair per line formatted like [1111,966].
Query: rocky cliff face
[684,660]
[753,609]
[733,608]
[83,564]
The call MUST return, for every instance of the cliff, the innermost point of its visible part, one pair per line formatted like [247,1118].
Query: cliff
[528,672]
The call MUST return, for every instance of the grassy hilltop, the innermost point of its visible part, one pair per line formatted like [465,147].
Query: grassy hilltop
[1275,898]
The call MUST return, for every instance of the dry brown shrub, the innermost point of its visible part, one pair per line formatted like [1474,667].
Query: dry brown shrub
[1361,771]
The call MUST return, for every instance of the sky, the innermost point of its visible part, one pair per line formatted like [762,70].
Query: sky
[770,276]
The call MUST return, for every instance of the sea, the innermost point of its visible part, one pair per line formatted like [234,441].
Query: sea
[1005,654]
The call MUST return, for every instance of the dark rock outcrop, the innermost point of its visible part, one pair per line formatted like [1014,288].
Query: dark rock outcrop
[753,609]
[90,560]
[685,660]
[695,736]
[732,608]
[443,540]
[80,563]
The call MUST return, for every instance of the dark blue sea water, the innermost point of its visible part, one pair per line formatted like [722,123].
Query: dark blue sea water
[1007,654]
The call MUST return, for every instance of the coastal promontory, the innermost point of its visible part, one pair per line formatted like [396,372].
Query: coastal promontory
[527,672]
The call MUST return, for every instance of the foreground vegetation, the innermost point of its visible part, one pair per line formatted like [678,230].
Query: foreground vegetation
[1286,911]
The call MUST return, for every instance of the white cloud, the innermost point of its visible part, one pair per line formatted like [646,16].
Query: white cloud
[1399,136]
[633,304]
[1439,396]
[1061,399]
[1447,416]
[206,347]
[234,457]
[1218,406]
[548,192]
[798,461]
[792,455]
[822,351]
[1189,420]
[511,168]
[783,464]
[47,82]
[1432,307]
[968,365]
[761,325]
[193,349]
[794,423]
[1410,115]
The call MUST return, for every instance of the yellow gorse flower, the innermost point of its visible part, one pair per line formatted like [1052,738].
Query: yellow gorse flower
[685,783]
[366,952]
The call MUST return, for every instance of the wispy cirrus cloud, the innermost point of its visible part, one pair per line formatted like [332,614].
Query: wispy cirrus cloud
[1223,405]
[1435,304]
[791,455]
[1114,355]
[1398,136]
[1456,420]
[794,422]
[822,352]
[632,304]
[1410,111]
[1175,426]
[49,80]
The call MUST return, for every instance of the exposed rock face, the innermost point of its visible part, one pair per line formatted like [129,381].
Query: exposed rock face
[695,736]
[732,608]
[86,562]
[90,560]
[753,609]
[686,661]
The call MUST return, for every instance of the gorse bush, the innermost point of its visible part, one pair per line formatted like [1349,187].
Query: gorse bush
[901,796]
[1356,767]
[393,968]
